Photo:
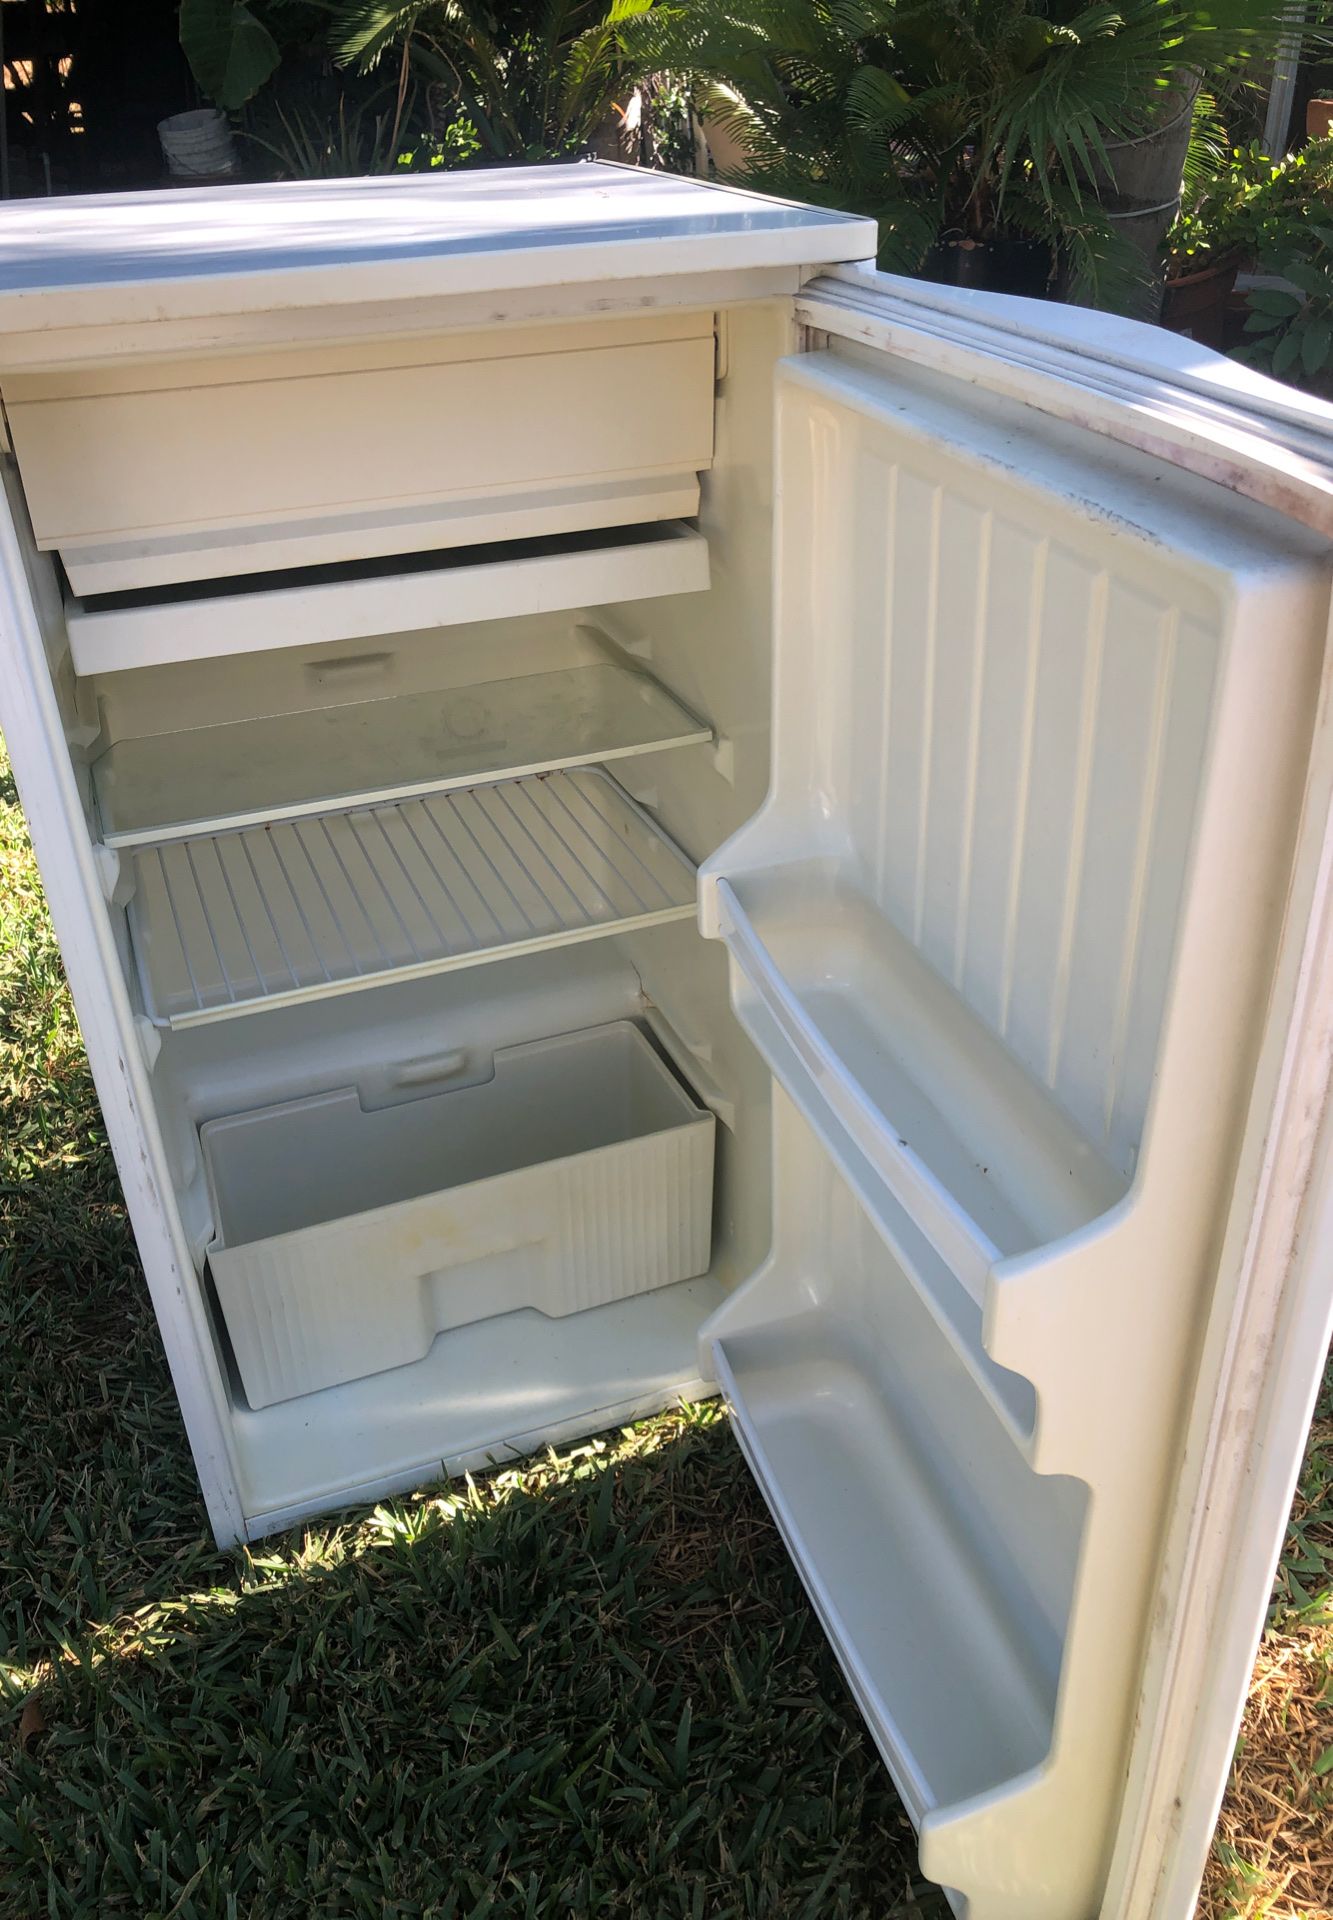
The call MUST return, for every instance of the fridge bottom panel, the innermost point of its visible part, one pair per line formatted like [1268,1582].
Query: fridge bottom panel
[485,1394]
[572,1171]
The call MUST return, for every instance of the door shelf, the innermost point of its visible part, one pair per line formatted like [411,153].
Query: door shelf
[1010,1396]
[171,786]
[960,1703]
[983,1168]
[250,918]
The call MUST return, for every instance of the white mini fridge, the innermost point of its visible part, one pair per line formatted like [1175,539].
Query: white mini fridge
[635,809]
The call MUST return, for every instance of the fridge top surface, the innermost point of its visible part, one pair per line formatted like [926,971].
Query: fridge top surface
[148,256]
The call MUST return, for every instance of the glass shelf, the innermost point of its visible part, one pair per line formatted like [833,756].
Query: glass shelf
[171,786]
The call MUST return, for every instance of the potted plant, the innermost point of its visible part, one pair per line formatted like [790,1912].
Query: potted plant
[1265,219]
[980,133]
[1292,322]
[507,80]
[1204,245]
[231,54]
[1200,276]
[1286,222]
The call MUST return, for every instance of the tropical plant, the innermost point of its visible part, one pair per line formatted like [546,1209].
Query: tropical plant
[1294,323]
[530,81]
[1242,205]
[306,142]
[1283,228]
[1203,233]
[230,50]
[968,120]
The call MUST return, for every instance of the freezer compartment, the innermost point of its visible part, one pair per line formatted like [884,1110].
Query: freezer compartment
[579,1173]
[155,472]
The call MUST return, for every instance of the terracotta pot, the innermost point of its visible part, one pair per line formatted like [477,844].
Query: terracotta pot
[1196,303]
[1318,119]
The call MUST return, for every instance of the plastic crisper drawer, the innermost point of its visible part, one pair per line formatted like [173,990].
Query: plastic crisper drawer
[346,1241]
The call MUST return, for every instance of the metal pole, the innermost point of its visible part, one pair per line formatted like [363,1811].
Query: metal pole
[4,113]
[1277,121]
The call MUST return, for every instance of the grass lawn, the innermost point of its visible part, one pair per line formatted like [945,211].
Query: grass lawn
[589,1688]
[1273,1855]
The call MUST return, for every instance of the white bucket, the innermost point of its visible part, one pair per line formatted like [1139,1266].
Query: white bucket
[198,144]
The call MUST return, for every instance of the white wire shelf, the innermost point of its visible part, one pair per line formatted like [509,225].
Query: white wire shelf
[171,786]
[233,922]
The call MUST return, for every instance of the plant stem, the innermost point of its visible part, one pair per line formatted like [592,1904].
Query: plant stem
[402,96]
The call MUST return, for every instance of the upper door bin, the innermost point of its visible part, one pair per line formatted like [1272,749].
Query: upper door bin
[308,374]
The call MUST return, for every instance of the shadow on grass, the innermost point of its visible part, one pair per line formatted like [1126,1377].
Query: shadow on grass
[591,1687]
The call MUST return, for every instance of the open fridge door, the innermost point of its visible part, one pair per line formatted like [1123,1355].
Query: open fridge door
[1027,931]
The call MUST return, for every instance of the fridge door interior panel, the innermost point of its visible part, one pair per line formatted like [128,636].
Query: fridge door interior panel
[1003,930]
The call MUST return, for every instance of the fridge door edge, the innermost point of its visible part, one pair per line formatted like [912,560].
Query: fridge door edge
[1264,1352]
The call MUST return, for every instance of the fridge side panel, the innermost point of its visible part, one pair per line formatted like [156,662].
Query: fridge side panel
[31,721]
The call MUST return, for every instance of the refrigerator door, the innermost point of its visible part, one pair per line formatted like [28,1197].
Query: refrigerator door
[1021,931]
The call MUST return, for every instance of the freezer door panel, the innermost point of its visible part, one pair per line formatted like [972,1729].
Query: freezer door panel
[1005,931]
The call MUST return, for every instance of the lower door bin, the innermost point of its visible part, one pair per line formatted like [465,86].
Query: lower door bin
[580,1173]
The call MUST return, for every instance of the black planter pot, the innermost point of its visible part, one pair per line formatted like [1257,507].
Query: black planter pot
[995,266]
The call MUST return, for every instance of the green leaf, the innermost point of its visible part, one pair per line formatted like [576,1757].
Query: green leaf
[503,1638]
[877,101]
[1317,281]
[681,1749]
[254,56]
[231,53]
[206,33]
[1316,341]
[1265,322]
[1272,300]
[1324,1764]
[1284,360]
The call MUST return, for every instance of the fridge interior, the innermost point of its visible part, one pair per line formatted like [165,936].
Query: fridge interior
[879,1130]
[370,887]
